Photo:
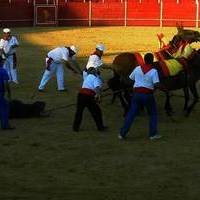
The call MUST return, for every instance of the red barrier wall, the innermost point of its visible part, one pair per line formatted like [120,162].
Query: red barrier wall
[109,12]
[146,13]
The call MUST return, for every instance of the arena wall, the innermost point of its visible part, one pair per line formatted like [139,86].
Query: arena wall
[99,12]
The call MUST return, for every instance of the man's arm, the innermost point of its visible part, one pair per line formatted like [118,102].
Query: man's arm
[73,67]
[2,53]
[98,93]
[15,43]
[76,66]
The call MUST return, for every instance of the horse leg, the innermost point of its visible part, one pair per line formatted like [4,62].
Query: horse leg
[194,92]
[168,108]
[124,103]
[186,96]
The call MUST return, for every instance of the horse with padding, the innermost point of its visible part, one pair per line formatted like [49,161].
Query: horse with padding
[185,78]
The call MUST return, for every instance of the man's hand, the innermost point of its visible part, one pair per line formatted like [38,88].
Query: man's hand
[98,94]
[97,98]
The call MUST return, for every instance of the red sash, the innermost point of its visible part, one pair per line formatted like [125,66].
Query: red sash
[143,90]
[88,92]
[48,62]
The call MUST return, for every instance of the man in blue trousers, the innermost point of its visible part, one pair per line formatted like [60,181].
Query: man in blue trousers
[145,81]
[4,106]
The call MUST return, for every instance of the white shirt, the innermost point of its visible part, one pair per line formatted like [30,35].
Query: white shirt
[6,45]
[60,54]
[94,61]
[146,80]
[91,82]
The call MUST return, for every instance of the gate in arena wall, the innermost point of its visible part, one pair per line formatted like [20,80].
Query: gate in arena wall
[45,15]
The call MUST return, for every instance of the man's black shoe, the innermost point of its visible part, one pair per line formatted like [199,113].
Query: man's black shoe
[75,129]
[8,128]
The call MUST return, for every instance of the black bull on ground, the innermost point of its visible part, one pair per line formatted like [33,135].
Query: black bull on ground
[19,109]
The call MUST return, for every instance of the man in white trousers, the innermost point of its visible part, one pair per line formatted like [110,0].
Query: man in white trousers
[95,59]
[55,60]
[8,46]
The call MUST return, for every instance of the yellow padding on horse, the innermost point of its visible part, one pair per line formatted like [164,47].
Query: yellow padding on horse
[174,66]
[186,52]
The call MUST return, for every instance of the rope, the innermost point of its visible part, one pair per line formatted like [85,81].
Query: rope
[61,107]
[73,104]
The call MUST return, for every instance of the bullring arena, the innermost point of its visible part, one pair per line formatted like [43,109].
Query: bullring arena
[44,159]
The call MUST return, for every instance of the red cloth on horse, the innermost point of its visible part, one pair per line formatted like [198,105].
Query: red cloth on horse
[139,58]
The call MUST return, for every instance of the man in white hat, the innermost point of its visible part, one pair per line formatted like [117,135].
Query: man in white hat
[95,59]
[55,60]
[8,45]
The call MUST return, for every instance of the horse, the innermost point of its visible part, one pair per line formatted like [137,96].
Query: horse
[124,63]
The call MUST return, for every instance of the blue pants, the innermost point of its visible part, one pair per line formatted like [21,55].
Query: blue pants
[4,112]
[137,101]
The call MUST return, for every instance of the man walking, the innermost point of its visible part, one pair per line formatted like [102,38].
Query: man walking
[8,46]
[145,80]
[89,96]
[55,60]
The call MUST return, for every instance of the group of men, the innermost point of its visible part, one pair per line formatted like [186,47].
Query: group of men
[145,80]
[92,82]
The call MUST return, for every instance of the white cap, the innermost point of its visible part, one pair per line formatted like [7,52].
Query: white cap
[6,30]
[74,49]
[100,47]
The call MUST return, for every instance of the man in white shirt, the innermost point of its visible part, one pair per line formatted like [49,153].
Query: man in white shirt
[88,96]
[55,60]
[95,59]
[8,45]
[145,80]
